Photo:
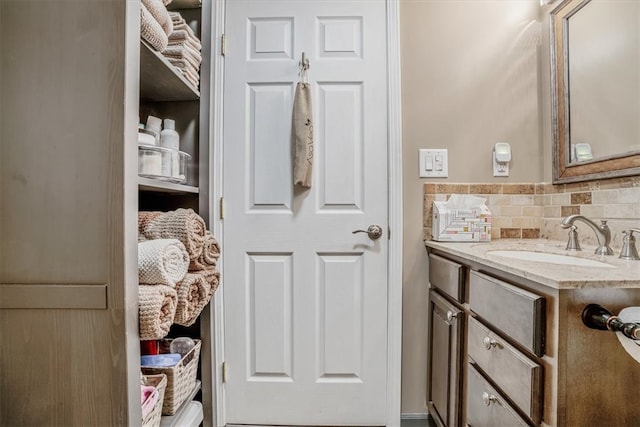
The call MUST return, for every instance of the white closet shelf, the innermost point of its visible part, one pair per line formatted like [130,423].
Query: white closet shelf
[161,81]
[148,184]
[174,420]
[184,4]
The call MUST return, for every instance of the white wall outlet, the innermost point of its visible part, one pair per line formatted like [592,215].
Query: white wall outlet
[434,163]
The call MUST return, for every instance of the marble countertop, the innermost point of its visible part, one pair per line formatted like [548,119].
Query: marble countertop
[624,274]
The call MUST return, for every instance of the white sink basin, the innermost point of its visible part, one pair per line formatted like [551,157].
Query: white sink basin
[550,258]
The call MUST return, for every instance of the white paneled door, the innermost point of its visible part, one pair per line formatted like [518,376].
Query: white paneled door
[305,299]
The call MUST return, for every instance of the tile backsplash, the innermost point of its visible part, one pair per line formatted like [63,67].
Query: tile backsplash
[535,210]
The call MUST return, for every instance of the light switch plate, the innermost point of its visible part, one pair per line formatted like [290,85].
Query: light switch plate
[434,163]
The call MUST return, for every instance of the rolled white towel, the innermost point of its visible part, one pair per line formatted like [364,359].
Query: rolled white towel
[162,262]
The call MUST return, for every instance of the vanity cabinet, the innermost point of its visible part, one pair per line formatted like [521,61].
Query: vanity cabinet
[74,86]
[446,339]
[524,356]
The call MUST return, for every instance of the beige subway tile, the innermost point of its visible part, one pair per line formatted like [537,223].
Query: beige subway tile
[429,188]
[540,188]
[522,200]
[536,221]
[500,221]
[510,233]
[553,188]
[592,211]
[499,200]
[535,211]
[531,233]
[581,198]
[632,181]
[561,199]
[629,195]
[551,211]
[452,188]
[569,210]
[546,200]
[522,222]
[495,232]
[620,211]
[539,200]
[518,189]
[605,197]
[512,211]
[485,188]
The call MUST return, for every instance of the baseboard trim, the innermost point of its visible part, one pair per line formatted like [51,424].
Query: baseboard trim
[418,416]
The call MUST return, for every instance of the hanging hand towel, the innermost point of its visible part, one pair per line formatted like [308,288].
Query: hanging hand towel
[162,261]
[302,135]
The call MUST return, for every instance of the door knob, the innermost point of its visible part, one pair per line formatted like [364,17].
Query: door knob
[374,232]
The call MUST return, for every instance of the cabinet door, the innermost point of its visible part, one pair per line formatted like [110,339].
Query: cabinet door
[445,344]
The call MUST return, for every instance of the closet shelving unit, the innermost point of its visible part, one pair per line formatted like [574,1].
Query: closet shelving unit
[72,97]
[165,93]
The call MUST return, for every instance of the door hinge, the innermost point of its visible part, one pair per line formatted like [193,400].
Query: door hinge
[224,372]
[223,45]
[221,207]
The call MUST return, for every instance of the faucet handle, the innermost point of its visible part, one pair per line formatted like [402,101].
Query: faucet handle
[629,250]
[573,244]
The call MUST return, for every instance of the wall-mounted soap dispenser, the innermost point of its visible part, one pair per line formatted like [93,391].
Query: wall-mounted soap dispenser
[501,159]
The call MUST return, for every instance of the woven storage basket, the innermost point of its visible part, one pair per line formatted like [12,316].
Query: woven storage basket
[160,383]
[181,378]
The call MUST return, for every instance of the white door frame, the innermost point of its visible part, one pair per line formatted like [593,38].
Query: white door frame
[215,415]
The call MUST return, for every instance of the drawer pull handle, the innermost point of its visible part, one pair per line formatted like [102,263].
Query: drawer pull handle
[489,343]
[488,399]
[451,315]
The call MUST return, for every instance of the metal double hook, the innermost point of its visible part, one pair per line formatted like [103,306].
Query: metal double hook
[304,67]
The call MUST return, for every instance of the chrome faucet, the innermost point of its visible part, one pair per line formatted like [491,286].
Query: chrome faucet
[603,234]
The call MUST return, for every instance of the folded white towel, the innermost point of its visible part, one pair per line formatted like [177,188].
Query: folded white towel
[162,261]
[159,11]
[151,31]
[183,51]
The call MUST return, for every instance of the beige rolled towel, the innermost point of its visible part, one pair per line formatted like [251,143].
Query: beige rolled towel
[162,261]
[156,310]
[159,11]
[144,219]
[182,224]
[212,276]
[209,256]
[194,293]
[151,31]
[302,136]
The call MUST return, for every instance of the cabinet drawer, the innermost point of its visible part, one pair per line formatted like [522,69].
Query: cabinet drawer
[515,312]
[517,375]
[447,276]
[485,406]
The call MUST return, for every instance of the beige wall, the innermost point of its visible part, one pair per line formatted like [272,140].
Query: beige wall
[473,74]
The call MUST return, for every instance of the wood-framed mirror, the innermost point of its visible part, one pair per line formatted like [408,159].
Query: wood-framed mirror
[595,79]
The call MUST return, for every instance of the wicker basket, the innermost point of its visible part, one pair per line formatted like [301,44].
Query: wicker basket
[160,383]
[181,378]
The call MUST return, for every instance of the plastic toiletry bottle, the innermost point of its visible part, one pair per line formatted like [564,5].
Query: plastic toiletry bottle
[153,125]
[169,138]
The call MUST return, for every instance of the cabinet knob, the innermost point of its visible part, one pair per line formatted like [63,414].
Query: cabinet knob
[451,315]
[489,343]
[488,399]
